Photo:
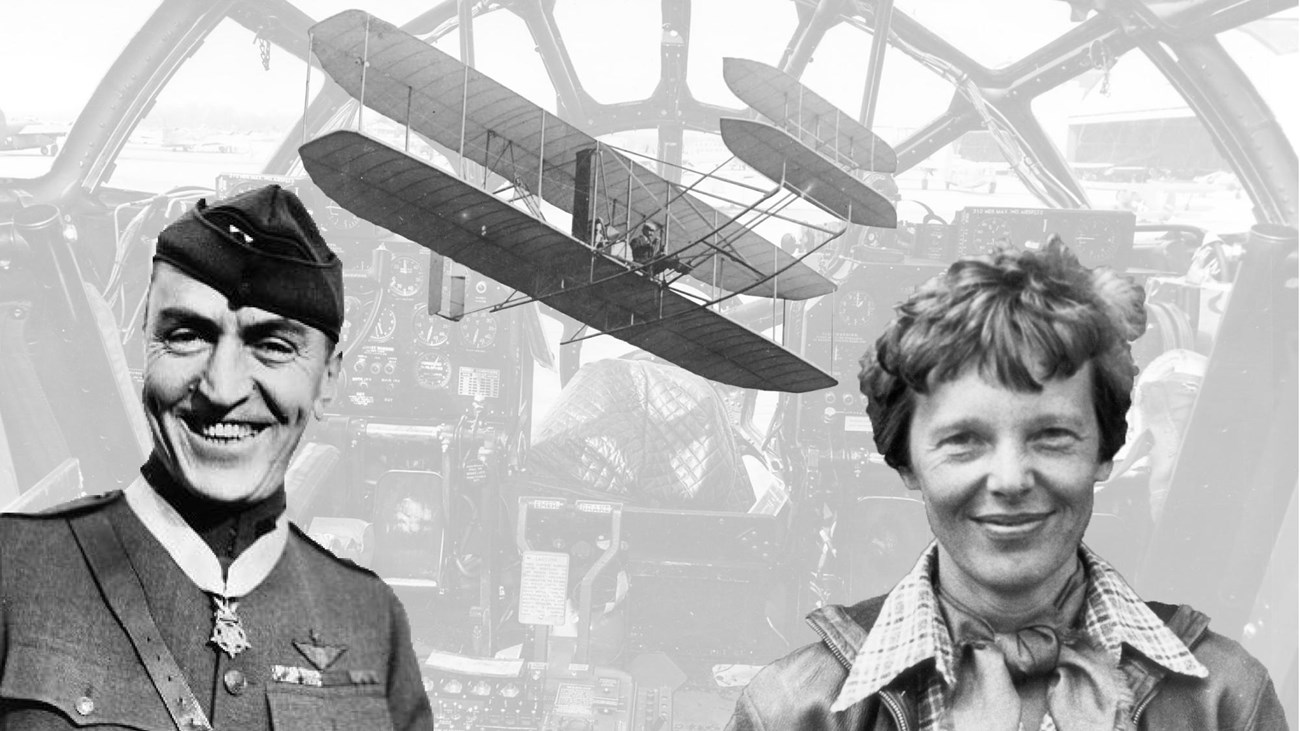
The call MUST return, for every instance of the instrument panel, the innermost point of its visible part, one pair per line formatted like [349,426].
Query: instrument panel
[836,332]
[488,694]
[1097,237]
[400,359]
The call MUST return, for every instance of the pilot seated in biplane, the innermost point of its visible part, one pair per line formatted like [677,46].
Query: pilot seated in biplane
[648,250]
[647,245]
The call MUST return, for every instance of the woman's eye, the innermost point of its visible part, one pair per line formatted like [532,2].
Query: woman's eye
[1057,438]
[963,439]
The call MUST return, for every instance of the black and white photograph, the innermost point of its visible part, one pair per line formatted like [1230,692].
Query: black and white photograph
[649,365]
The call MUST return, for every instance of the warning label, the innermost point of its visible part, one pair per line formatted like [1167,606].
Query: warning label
[542,587]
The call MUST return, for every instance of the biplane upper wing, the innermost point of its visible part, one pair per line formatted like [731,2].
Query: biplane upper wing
[438,210]
[776,154]
[414,83]
[815,121]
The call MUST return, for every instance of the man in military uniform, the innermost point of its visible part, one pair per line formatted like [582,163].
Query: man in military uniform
[188,601]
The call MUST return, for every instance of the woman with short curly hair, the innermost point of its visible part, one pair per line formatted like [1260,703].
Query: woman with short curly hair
[1007,316]
[999,392]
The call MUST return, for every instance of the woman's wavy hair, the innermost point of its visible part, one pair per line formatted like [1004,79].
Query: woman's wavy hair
[1012,314]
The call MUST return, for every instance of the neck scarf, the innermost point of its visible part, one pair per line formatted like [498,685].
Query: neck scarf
[1008,680]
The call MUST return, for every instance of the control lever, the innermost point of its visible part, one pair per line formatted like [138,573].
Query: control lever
[380,263]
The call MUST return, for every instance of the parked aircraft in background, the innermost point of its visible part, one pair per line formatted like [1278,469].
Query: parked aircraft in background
[24,135]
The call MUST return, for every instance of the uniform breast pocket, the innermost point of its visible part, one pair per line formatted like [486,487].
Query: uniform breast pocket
[346,708]
[47,676]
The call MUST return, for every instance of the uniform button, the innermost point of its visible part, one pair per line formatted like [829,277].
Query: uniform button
[85,706]
[235,682]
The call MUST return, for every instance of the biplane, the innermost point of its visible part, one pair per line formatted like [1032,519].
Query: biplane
[579,272]
[541,155]
[814,150]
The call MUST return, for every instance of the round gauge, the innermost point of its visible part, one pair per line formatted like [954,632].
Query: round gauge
[385,325]
[406,278]
[1093,240]
[989,233]
[351,311]
[430,330]
[479,331]
[433,370]
[855,308]
[340,218]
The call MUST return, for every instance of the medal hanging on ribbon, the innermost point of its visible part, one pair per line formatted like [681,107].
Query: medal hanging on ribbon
[227,633]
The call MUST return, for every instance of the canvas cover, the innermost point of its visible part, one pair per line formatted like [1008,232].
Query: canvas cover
[642,433]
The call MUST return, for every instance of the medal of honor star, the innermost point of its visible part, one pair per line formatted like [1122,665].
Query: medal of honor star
[188,601]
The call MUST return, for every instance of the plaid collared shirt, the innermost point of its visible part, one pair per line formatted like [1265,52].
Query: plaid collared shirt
[910,629]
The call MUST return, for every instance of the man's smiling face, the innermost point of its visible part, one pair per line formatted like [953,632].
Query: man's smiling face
[227,392]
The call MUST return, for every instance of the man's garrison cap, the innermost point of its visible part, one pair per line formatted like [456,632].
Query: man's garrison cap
[260,249]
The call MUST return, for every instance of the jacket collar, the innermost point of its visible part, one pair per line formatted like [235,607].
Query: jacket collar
[1119,618]
[195,557]
[909,631]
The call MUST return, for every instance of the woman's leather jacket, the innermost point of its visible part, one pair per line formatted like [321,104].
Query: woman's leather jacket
[796,692]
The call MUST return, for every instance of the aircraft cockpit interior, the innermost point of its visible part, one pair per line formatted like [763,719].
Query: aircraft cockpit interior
[610,271]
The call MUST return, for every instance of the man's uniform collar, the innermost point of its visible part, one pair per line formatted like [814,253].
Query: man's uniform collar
[192,554]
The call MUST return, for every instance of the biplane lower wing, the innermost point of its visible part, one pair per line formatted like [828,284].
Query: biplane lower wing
[776,154]
[464,110]
[437,210]
[815,121]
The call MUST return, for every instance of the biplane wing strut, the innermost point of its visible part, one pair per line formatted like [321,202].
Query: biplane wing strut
[511,302]
[414,83]
[445,214]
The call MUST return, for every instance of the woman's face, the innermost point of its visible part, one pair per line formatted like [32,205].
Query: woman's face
[1007,479]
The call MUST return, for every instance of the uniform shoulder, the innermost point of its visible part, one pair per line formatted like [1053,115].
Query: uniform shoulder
[321,553]
[72,508]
